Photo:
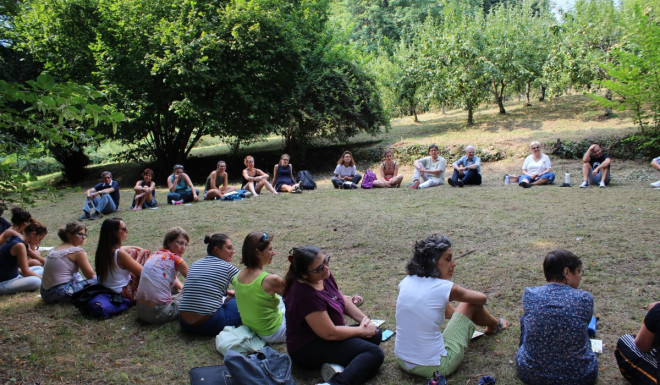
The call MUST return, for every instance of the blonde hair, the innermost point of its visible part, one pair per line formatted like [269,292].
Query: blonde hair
[245,161]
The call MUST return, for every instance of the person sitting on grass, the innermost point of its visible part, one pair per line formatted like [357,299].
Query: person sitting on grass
[117,267]
[103,198]
[422,306]
[595,167]
[283,179]
[61,278]
[155,301]
[20,219]
[537,169]
[638,356]
[258,292]
[216,183]
[181,187]
[346,171]
[145,191]
[467,170]
[316,332]
[430,170]
[254,179]
[554,340]
[15,273]
[655,163]
[207,306]
[388,172]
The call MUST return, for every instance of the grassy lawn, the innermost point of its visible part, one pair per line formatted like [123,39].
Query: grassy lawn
[505,230]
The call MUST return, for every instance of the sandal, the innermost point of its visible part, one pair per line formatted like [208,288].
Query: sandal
[502,324]
[357,300]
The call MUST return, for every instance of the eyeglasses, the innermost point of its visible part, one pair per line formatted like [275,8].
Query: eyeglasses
[535,148]
[181,243]
[322,266]
[123,228]
[81,235]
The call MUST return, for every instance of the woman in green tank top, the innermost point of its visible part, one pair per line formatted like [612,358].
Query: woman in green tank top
[258,293]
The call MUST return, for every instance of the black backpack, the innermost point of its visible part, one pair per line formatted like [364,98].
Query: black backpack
[306,180]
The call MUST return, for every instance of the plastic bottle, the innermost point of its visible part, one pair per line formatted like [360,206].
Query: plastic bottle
[592,326]
[506,179]
[567,178]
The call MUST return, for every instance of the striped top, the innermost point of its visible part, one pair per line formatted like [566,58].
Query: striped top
[206,285]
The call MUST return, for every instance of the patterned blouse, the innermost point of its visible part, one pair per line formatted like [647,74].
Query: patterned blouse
[554,342]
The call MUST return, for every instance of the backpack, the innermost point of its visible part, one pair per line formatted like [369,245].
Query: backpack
[369,179]
[100,302]
[306,180]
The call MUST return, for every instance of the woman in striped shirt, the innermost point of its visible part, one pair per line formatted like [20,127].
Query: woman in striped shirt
[207,306]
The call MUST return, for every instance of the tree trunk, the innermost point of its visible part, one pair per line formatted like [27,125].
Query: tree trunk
[527,90]
[470,120]
[499,96]
[414,111]
[608,110]
[542,95]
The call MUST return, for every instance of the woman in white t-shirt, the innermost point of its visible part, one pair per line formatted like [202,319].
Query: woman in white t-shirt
[424,303]
[156,302]
[346,171]
[537,169]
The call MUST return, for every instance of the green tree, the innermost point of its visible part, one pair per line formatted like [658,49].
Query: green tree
[39,113]
[634,71]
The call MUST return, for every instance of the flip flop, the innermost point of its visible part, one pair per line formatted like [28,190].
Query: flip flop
[502,324]
[357,300]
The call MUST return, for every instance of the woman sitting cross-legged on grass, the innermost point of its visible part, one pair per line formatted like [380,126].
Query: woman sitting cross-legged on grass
[258,292]
[316,333]
[388,172]
[638,356]
[217,182]
[283,179]
[118,267]
[145,191]
[537,169]
[207,306]
[155,302]
[346,171]
[61,277]
[554,340]
[423,305]
[254,179]
[181,187]
[19,221]
[15,273]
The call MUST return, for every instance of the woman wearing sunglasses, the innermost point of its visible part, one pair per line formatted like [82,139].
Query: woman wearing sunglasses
[155,301]
[207,306]
[61,278]
[258,292]
[537,169]
[118,267]
[317,335]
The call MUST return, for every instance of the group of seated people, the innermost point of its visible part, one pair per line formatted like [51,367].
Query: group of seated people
[306,309]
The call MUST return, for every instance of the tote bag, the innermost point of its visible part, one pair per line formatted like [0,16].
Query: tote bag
[264,367]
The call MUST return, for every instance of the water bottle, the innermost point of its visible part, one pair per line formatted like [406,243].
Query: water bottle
[506,179]
[592,326]
[567,178]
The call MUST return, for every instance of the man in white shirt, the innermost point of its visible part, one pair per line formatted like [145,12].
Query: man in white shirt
[430,170]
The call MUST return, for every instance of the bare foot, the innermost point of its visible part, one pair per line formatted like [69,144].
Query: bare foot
[502,324]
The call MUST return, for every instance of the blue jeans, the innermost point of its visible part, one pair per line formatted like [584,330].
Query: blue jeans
[103,204]
[227,315]
[186,196]
[338,182]
[22,283]
[63,292]
[596,179]
[469,177]
[550,176]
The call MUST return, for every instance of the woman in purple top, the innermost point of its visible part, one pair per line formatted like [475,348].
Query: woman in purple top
[316,334]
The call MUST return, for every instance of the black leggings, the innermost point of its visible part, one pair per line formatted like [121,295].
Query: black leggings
[360,357]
